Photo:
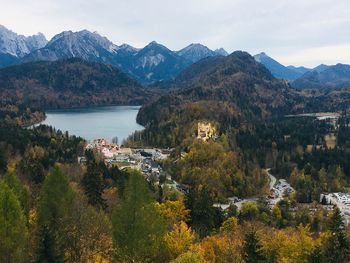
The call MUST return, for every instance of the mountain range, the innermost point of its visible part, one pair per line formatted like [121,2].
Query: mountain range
[236,85]
[228,91]
[13,46]
[154,62]
[337,76]
[321,77]
[285,72]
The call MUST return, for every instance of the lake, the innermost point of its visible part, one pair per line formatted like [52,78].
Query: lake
[96,122]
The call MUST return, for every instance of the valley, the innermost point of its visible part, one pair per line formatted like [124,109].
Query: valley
[154,155]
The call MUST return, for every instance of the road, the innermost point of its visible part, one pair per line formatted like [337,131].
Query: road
[273,179]
[277,191]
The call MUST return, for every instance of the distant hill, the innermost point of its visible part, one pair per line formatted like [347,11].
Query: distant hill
[321,68]
[289,73]
[337,76]
[221,51]
[155,62]
[7,60]
[68,83]
[299,70]
[277,69]
[196,52]
[222,89]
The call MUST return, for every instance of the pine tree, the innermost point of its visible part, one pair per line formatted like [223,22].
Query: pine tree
[338,240]
[252,250]
[3,162]
[138,229]
[92,184]
[316,255]
[204,217]
[336,223]
[47,250]
[13,228]
[19,190]
[324,200]
[55,206]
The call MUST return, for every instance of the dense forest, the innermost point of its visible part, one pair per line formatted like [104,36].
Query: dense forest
[69,83]
[57,210]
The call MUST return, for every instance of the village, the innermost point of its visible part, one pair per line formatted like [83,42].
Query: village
[147,161]
[141,159]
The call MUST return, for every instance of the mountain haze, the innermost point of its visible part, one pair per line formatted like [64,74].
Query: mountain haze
[196,52]
[276,68]
[149,64]
[337,76]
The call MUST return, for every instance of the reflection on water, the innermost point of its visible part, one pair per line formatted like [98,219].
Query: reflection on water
[96,122]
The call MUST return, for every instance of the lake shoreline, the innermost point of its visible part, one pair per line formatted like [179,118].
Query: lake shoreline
[96,122]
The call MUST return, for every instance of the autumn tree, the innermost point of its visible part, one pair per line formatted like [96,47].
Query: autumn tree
[173,212]
[189,257]
[249,211]
[229,226]
[88,232]
[179,239]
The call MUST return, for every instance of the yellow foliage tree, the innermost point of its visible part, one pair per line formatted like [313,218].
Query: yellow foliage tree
[173,211]
[179,239]
[288,245]
[221,248]
[229,226]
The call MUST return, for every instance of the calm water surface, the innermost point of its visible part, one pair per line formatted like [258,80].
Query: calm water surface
[96,122]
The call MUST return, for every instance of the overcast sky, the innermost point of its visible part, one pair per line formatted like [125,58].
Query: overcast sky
[298,32]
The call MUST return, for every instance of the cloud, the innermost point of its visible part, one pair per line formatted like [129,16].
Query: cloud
[279,27]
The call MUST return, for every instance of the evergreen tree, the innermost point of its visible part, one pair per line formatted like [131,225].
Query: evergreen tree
[47,249]
[119,178]
[336,222]
[92,182]
[55,206]
[316,255]
[3,162]
[337,246]
[204,217]
[138,229]
[252,250]
[19,190]
[13,228]
[324,200]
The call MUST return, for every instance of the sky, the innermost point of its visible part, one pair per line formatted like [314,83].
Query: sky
[294,32]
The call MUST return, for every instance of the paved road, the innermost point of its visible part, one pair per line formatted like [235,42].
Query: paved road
[278,193]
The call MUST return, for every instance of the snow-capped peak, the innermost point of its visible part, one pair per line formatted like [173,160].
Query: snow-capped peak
[195,52]
[19,45]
